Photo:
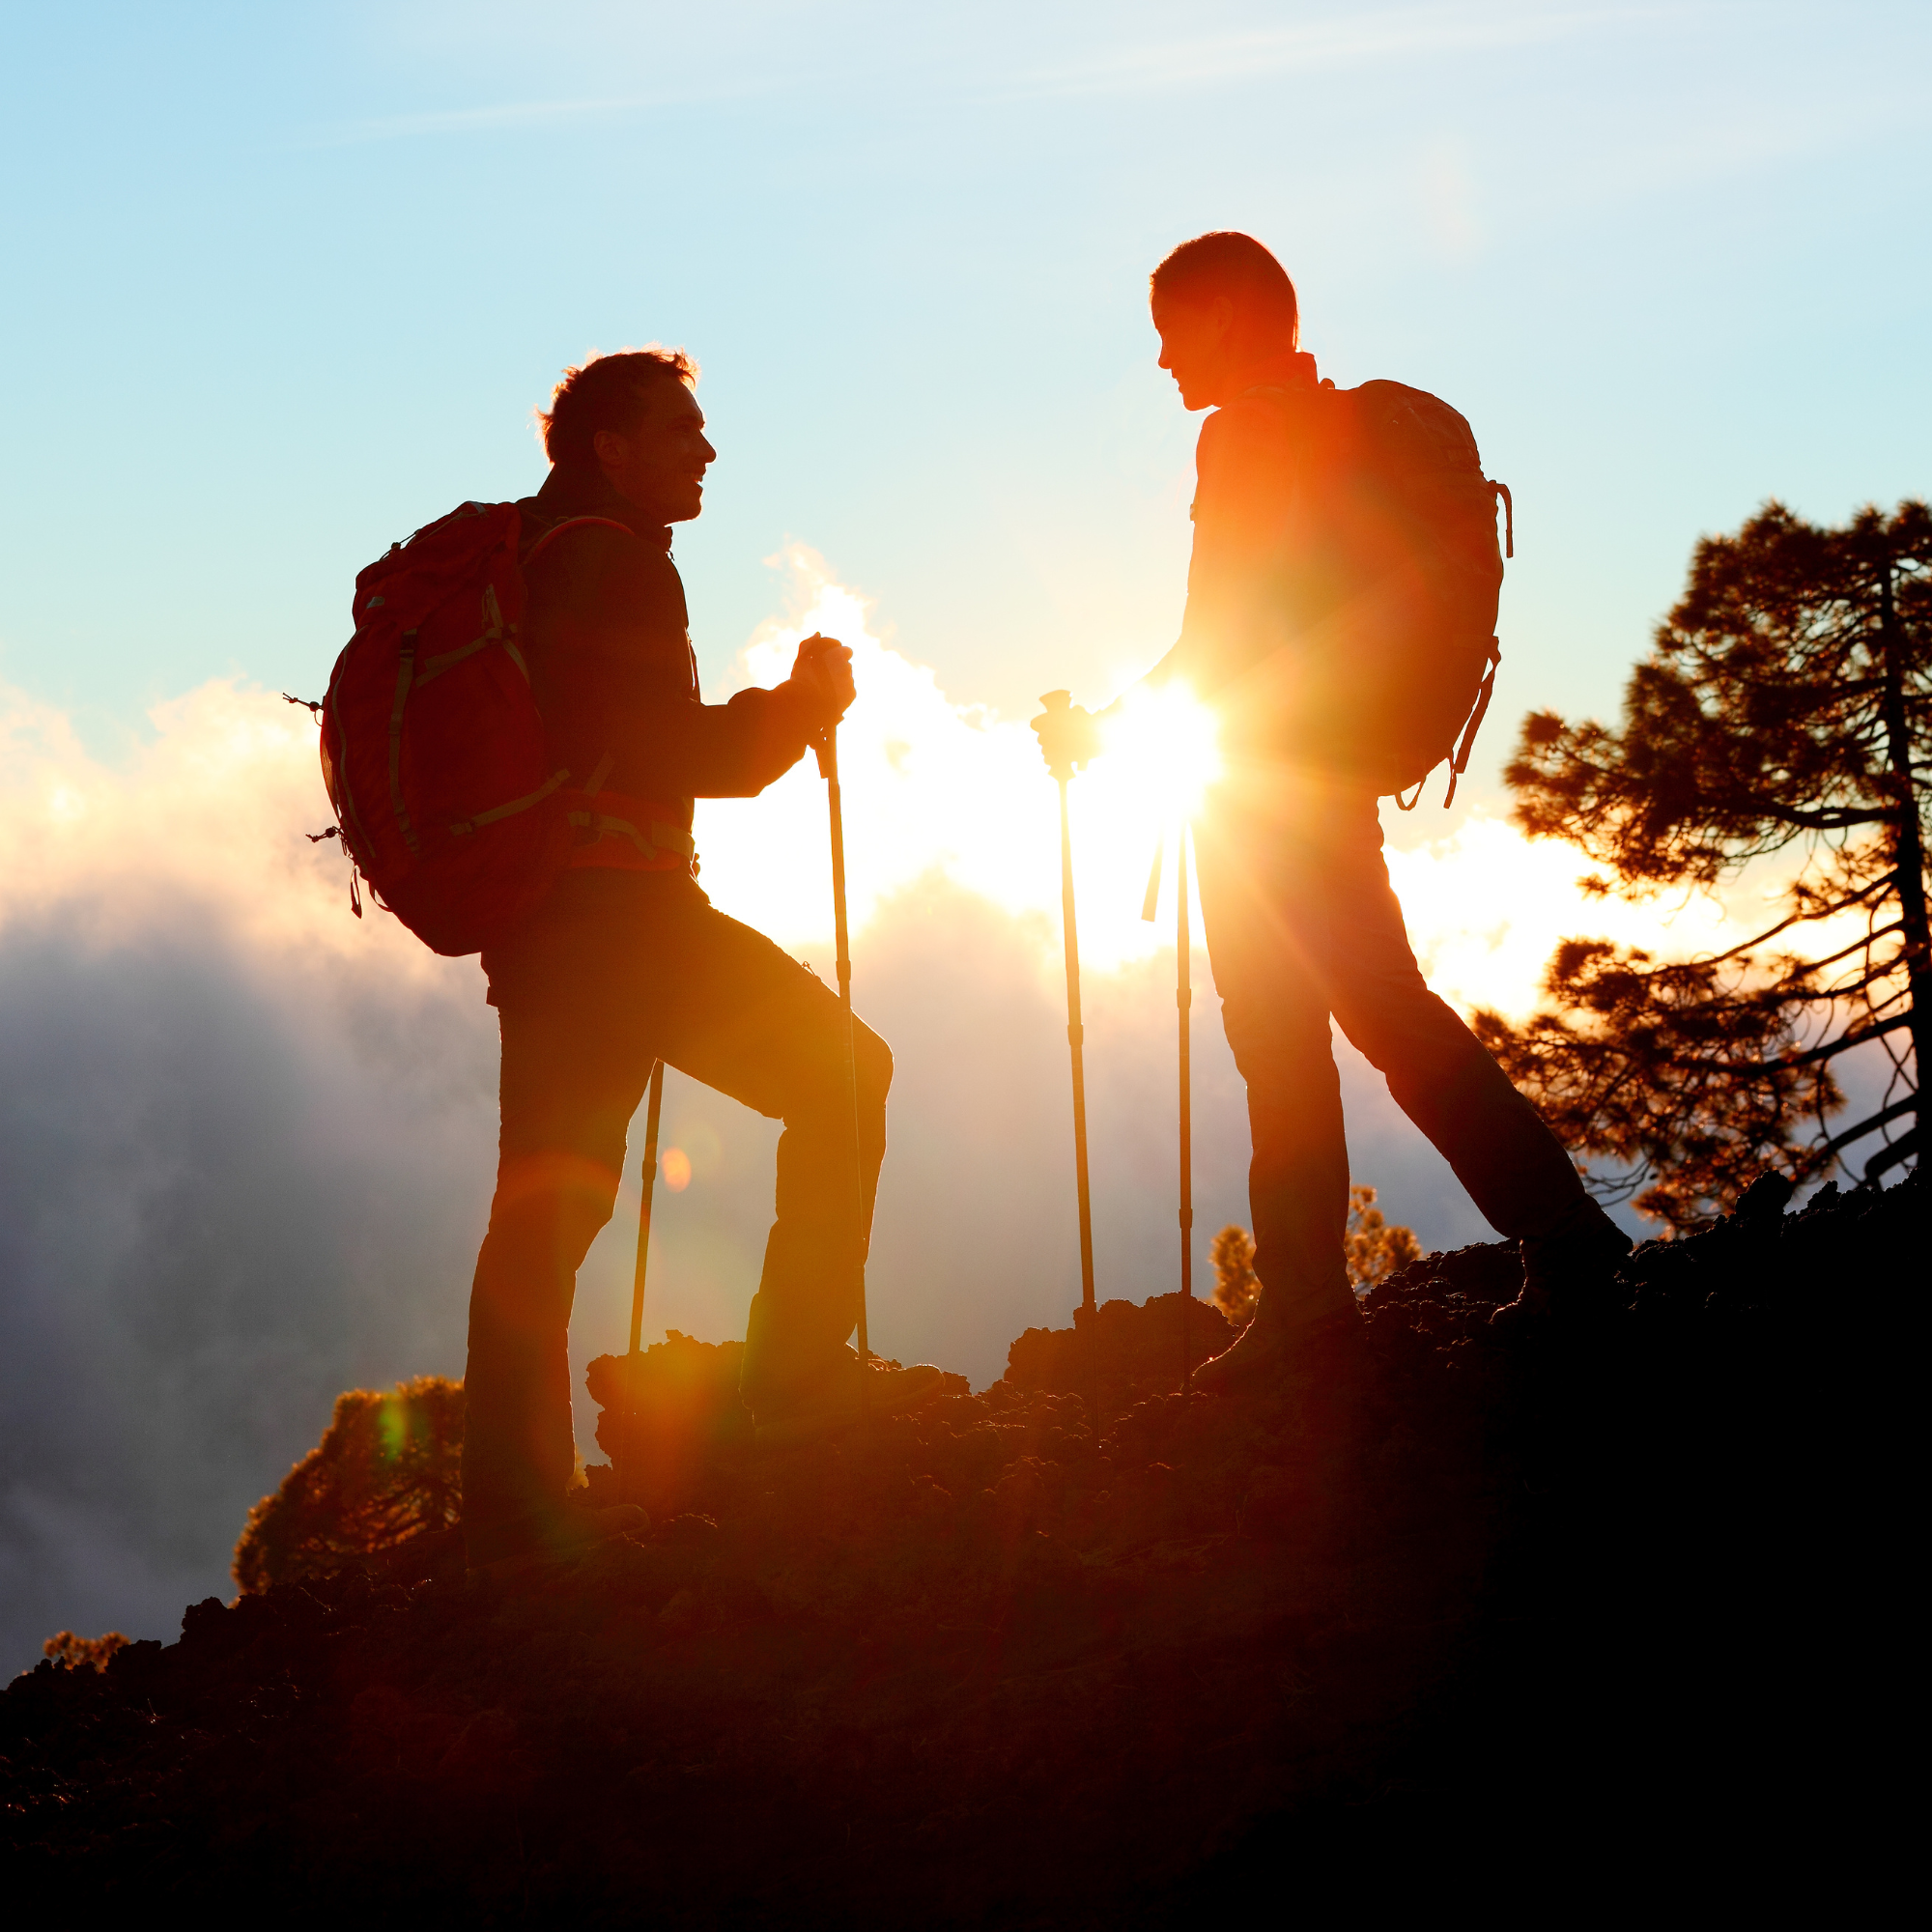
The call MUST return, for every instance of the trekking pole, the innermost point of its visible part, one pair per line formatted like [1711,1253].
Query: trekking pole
[826,749]
[1060,700]
[1184,999]
[648,1188]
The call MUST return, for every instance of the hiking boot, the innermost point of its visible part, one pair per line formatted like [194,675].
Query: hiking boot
[823,1407]
[553,1536]
[1568,1276]
[1265,1351]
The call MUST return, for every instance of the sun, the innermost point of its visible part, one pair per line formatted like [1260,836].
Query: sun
[1159,755]
[1163,745]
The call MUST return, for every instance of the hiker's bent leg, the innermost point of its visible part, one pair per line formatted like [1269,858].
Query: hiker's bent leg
[1438,1073]
[1276,1020]
[569,1086]
[754,1024]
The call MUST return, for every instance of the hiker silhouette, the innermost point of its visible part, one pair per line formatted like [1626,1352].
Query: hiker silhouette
[1340,619]
[626,961]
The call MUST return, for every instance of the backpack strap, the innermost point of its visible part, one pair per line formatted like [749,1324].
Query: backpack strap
[1502,492]
[1459,762]
[570,524]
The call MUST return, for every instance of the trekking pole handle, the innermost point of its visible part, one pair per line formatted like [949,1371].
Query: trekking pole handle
[1057,704]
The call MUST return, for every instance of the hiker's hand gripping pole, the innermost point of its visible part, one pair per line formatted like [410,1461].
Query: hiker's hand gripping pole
[1059,742]
[825,748]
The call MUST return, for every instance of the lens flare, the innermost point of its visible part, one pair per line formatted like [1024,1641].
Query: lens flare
[1163,747]
[675,1164]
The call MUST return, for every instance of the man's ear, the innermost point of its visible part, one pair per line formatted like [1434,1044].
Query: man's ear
[1221,316]
[611,447]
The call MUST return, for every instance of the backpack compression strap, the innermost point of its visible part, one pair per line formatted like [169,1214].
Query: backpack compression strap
[627,834]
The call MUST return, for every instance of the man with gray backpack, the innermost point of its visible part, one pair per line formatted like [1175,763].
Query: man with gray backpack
[1341,615]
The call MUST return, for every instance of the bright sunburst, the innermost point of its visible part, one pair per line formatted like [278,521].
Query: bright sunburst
[1163,748]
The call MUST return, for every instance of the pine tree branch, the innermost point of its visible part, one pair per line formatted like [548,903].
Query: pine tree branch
[1811,821]
[1804,919]
[1909,1105]
[1902,1149]
[1829,1051]
[1770,1069]
[1871,938]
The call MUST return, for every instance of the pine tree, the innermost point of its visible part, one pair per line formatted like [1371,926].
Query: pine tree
[1785,709]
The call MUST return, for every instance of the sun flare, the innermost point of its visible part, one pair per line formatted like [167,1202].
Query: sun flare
[1164,745]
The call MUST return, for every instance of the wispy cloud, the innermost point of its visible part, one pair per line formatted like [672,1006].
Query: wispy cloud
[510,115]
[1106,62]
[1354,39]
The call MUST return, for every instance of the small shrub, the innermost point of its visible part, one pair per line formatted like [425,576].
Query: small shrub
[389,1469]
[83,1653]
[1375,1247]
[1237,1292]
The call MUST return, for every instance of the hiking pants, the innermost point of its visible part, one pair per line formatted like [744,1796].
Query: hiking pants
[616,971]
[1302,925]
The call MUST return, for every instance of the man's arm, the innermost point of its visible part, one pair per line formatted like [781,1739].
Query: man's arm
[1243,502]
[615,671]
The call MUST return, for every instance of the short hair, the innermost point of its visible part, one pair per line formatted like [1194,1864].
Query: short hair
[1227,263]
[606,392]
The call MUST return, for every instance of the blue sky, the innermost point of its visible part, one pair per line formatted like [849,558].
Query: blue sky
[283,283]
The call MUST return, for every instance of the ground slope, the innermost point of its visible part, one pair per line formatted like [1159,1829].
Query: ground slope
[1577,1605]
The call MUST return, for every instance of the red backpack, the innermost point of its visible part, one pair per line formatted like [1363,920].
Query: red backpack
[432,749]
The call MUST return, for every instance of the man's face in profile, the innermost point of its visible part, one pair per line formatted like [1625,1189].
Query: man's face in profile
[658,463]
[1194,346]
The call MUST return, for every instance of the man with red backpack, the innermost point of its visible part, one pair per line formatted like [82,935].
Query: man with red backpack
[1339,619]
[625,960]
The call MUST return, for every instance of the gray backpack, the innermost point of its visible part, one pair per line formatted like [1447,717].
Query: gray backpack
[1392,574]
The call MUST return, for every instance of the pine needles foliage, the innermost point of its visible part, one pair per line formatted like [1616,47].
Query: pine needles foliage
[1785,709]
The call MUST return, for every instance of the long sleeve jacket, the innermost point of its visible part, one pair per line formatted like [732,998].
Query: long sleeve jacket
[1250,488]
[608,646]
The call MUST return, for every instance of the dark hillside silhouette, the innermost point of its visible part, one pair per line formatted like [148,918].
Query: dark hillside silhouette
[1787,705]
[1585,1613]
